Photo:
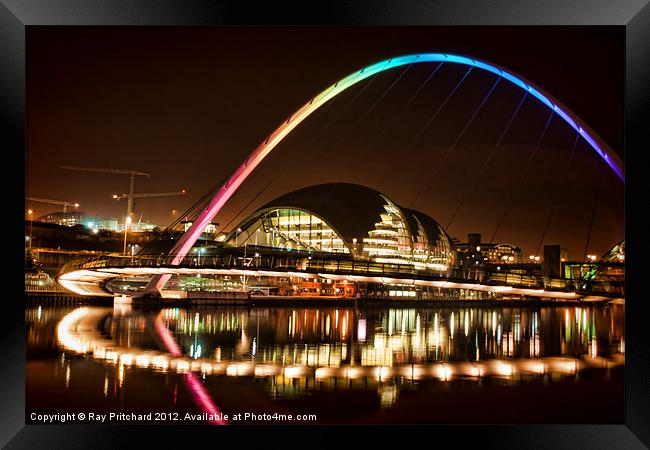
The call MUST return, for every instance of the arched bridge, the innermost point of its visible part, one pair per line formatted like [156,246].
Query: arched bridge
[87,277]
[185,243]
[92,276]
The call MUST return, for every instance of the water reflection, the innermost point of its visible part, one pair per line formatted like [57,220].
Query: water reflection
[333,337]
[295,351]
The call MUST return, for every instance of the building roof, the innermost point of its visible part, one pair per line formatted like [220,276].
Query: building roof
[350,209]
[431,227]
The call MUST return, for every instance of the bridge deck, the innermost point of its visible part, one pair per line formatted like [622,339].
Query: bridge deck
[88,277]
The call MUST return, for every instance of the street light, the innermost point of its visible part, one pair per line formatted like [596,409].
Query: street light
[126,230]
[236,236]
[30,213]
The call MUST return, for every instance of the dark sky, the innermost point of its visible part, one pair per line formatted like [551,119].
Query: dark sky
[188,105]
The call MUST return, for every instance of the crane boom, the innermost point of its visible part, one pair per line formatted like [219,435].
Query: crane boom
[132,174]
[53,202]
[118,171]
[147,195]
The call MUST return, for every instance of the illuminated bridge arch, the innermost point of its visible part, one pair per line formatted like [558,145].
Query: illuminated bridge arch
[186,242]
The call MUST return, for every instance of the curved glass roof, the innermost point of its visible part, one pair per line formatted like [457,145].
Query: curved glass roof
[346,218]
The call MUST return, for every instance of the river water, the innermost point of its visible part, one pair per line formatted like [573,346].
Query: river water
[446,364]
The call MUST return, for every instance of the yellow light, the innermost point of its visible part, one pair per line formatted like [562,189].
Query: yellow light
[505,369]
[352,372]
[444,372]
[381,372]
[323,372]
[293,372]
[142,361]
[182,365]
[120,374]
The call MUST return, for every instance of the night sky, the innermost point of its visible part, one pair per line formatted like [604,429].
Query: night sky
[188,105]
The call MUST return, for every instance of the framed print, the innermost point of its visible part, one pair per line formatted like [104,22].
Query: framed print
[238,219]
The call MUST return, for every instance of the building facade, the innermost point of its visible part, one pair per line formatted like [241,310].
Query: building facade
[347,219]
[476,253]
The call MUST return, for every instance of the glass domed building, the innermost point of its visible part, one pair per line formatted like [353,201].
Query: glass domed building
[347,219]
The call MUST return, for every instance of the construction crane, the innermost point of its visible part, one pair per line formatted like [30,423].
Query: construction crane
[145,195]
[132,174]
[53,202]
[131,196]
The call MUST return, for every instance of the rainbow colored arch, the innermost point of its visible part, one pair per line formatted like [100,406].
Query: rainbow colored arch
[188,239]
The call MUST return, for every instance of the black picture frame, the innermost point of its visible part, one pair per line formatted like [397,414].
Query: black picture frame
[17,15]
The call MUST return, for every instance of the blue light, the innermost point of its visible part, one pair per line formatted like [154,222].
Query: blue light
[458,59]
[513,79]
[488,67]
[541,97]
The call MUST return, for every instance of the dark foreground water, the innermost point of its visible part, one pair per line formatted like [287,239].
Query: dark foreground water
[333,365]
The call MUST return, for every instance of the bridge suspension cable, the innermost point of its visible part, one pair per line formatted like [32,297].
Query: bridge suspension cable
[321,133]
[193,210]
[301,151]
[395,117]
[336,118]
[522,176]
[402,109]
[197,206]
[486,163]
[378,100]
[456,141]
[593,213]
[555,198]
[431,118]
